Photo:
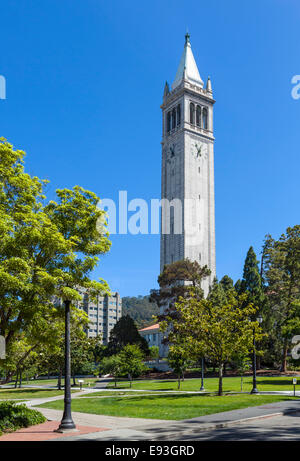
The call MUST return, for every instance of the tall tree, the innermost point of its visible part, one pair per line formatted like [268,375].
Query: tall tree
[123,333]
[46,249]
[251,282]
[281,272]
[176,281]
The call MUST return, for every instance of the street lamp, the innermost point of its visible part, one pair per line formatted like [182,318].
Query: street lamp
[67,423]
[202,375]
[254,388]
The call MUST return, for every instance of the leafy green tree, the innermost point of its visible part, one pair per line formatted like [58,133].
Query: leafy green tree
[154,352]
[123,333]
[217,328]
[131,357]
[281,272]
[111,366]
[178,361]
[47,249]
[176,281]
[242,364]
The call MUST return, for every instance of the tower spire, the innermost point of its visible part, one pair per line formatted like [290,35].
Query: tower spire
[187,66]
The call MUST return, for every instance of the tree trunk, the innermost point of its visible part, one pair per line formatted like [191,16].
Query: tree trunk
[59,380]
[283,368]
[182,376]
[115,381]
[241,383]
[74,380]
[178,381]
[258,363]
[17,379]
[20,379]
[221,366]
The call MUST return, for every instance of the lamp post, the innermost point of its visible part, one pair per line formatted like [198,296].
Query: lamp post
[67,423]
[254,388]
[202,375]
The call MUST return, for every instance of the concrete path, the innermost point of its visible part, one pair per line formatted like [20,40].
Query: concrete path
[110,422]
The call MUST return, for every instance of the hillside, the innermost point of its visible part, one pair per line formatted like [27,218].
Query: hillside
[140,310]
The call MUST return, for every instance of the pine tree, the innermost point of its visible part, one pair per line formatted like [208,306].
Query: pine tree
[251,283]
[123,333]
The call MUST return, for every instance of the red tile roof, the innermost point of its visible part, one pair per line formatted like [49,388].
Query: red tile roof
[152,327]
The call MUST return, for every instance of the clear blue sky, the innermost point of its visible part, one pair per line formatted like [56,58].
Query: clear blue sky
[84,86]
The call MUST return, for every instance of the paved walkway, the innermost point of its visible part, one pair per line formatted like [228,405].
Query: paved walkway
[46,431]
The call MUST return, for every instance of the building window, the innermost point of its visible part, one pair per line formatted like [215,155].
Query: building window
[192,113]
[168,121]
[178,115]
[173,119]
[204,119]
[198,116]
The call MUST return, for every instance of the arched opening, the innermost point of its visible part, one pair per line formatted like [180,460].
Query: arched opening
[205,119]
[198,116]
[168,121]
[178,115]
[173,119]
[192,113]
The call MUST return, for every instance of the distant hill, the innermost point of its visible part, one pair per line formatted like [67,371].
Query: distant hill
[139,309]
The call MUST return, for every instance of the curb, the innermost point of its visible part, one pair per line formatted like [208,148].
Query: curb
[233,423]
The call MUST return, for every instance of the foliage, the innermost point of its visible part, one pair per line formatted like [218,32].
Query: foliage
[14,417]
[140,309]
[242,364]
[218,327]
[131,358]
[123,333]
[111,366]
[178,361]
[46,249]
[281,273]
[176,281]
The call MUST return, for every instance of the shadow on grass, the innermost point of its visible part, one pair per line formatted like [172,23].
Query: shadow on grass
[25,391]
[275,382]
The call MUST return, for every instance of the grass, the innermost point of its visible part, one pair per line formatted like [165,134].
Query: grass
[210,384]
[168,407]
[53,382]
[28,393]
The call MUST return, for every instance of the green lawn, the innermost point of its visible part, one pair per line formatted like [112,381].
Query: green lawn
[53,382]
[168,407]
[28,393]
[211,384]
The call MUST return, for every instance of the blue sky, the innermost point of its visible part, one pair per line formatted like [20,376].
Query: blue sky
[84,86]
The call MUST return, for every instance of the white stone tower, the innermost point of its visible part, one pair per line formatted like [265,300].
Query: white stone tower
[188,168]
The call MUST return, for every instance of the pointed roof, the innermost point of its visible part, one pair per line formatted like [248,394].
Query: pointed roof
[187,69]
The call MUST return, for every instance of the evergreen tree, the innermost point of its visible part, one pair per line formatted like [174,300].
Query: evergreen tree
[123,333]
[252,283]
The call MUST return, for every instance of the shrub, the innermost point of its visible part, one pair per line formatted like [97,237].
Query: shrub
[14,417]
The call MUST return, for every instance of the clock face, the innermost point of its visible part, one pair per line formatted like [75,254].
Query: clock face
[199,150]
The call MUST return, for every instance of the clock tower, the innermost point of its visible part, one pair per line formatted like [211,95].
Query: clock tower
[188,211]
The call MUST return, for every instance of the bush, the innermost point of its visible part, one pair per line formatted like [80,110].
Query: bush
[14,417]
